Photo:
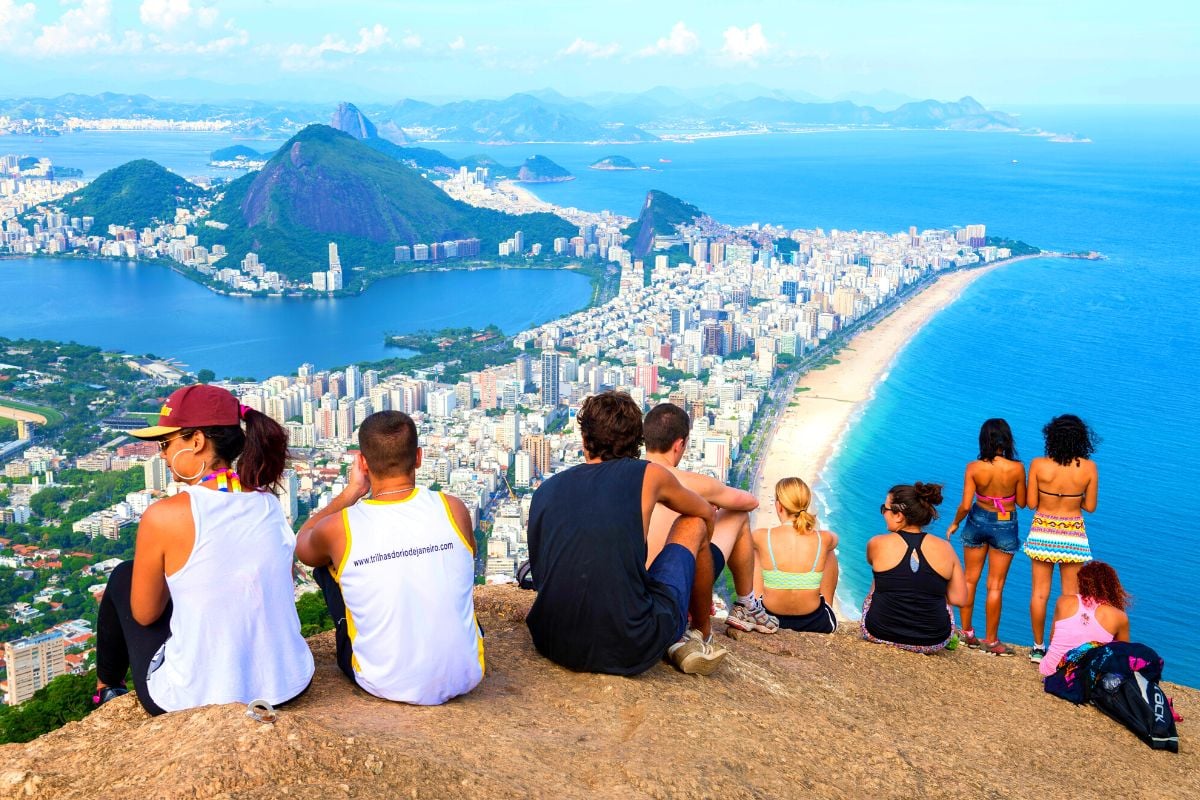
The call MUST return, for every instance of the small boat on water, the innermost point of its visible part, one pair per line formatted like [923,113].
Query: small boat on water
[664,161]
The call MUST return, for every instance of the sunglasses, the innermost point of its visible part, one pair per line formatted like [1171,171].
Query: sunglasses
[163,443]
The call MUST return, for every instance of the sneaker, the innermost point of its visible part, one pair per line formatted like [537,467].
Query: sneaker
[997,648]
[747,618]
[102,696]
[694,656]
[1037,653]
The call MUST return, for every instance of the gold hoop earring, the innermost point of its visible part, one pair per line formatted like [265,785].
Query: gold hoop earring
[187,478]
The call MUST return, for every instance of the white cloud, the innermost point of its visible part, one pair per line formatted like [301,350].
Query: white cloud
[13,18]
[238,38]
[411,42]
[300,57]
[745,44]
[679,42]
[80,29]
[165,14]
[206,16]
[458,44]
[591,50]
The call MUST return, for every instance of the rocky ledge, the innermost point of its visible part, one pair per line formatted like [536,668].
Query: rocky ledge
[789,715]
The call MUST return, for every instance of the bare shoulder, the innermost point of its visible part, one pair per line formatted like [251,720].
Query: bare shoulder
[657,473]
[1066,605]
[830,538]
[168,512]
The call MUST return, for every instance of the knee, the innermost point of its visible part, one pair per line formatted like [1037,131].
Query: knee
[691,529]
[733,519]
[122,575]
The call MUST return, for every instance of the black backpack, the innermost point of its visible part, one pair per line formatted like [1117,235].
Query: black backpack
[525,576]
[1140,705]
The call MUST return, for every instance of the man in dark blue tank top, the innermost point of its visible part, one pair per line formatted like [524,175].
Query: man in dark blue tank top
[599,609]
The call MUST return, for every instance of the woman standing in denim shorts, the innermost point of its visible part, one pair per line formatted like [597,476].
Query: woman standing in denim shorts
[993,489]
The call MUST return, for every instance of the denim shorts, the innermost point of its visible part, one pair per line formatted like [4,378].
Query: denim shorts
[982,527]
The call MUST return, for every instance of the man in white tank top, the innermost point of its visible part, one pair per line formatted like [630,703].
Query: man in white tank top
[397,569]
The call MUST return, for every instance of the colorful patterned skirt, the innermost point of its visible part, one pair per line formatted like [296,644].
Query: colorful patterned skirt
[1059,540]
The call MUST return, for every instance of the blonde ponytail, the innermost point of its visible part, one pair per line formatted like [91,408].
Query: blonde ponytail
[804,522]
[794,495]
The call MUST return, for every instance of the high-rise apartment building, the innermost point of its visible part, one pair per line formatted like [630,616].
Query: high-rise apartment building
[550,366]
[33,662]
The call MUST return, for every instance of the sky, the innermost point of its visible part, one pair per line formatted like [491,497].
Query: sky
[1014,52]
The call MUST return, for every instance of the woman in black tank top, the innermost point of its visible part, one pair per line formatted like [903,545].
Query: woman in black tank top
[907,606]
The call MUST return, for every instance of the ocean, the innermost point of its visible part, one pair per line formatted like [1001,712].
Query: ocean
[1115,341]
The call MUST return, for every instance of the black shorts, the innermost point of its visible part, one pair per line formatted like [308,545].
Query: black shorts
[820,620]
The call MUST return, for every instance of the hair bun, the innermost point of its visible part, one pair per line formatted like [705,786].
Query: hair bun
[929,492]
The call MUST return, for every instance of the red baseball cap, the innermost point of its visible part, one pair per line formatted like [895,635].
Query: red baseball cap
[195,406]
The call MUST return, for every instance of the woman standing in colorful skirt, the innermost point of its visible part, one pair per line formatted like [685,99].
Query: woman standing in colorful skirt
[1063,484]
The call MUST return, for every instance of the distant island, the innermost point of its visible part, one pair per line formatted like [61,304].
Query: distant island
[614,163]
[539,169]
[237,151]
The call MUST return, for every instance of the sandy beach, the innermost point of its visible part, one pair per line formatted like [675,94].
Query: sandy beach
[816,419]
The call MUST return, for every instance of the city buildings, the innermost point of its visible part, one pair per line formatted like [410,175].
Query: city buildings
[32,662]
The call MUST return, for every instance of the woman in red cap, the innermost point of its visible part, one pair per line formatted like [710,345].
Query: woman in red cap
[205,613]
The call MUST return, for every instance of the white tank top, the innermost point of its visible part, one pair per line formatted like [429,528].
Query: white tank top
[235,635]
[407,579]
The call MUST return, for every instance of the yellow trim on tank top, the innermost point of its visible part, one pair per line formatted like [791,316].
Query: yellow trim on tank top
[351,628]
[479,642]
[337,572]
[373,502]
[454,522]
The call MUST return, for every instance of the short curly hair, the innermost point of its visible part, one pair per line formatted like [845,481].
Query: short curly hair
[1069,438]
[611,426]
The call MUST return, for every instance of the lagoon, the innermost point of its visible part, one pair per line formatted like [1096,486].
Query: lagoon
[142,307]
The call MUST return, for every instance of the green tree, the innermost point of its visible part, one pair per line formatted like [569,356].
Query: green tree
[206,376]
[314,615]
[65,699]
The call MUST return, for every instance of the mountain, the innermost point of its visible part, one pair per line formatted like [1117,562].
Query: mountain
[519,118]
[348,119]
[966,114]
[134,194]
[484,160]
[235,152]
[882,100]
[539,169]
[613,163]
[661,214]
[767,110]
[323,185]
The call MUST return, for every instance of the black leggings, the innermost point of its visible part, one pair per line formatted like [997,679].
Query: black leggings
[122,642]
[337,610]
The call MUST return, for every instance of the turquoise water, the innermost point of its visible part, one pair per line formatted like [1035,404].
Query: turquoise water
[1116,341]
[145,307]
